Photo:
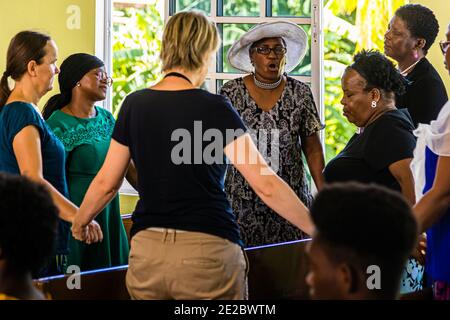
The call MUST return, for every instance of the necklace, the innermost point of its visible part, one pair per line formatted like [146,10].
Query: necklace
[78,118]
[405,72]
[267,86]
[179,75]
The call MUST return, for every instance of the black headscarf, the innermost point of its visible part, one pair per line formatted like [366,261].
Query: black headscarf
[71,71]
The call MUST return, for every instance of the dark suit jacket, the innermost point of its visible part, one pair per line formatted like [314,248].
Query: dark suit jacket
[425,95]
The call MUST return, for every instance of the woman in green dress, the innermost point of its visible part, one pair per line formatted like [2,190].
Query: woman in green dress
[85,130]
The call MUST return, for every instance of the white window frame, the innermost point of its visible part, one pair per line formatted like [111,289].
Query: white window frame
[315,21]
[103,49]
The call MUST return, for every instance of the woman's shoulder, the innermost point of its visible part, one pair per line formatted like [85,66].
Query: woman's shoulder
[56,119]
[20,107]
[401,116]
[19,112]
[297,85]
[398,119]
[232,85]
[104,113]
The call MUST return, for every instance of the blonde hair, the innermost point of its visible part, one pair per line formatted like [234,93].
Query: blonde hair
[188,37]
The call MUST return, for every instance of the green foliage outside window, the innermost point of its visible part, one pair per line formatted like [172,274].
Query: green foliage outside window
[137,36]
[348,26]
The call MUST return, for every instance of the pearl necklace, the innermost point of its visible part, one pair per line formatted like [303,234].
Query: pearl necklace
[267,86]
[405,72]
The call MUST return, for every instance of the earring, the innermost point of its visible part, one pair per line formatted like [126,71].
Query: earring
[373,104]
[78,84]
[416,55]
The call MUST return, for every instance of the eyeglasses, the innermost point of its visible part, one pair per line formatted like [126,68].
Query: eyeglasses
[103,76]
[265,51]
[444,46]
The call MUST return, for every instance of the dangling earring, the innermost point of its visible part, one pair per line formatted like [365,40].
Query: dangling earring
[373,104]
[416,55]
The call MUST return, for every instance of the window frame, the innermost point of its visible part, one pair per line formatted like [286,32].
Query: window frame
[103,49]
[315,21]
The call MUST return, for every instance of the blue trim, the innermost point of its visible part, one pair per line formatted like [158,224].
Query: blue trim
[277,244]
[124,267]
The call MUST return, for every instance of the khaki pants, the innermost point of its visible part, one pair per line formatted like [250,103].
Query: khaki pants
[185,265]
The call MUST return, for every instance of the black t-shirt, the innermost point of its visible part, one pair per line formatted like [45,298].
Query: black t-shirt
[367,156]
[167,133]
[425,94]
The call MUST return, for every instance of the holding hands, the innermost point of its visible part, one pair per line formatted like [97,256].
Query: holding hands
[89,233]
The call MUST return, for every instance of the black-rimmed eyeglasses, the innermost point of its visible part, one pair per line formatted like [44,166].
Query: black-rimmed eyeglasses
[265,51]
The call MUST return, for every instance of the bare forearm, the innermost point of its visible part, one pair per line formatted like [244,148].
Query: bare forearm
[316,163]
[95,200]
[430,208]
[312,148]
[408,193]
[280,198]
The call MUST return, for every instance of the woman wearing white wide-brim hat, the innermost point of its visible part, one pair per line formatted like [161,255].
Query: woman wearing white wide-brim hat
[281,113]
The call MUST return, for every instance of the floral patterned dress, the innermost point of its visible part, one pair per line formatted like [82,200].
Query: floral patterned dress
[277,133]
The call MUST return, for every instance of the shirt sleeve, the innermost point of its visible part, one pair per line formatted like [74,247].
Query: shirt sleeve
[390,141]
[310,120]
[23,116]
[121,131]
[230,123]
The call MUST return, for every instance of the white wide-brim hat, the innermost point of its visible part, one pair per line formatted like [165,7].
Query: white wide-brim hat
[294,36]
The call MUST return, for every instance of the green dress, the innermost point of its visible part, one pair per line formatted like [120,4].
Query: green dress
[86,142]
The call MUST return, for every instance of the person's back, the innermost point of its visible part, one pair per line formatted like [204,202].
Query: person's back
[185,241]
[176,139]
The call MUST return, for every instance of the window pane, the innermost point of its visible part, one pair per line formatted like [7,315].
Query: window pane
[207,85]
[220,83]
[203,5]
[136,43]
[240,8]
[294,8]
[304,68]
[230,34]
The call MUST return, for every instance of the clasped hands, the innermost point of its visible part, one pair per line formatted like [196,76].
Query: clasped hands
[89,233]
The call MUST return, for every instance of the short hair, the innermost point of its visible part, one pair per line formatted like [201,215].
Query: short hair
[28,224]
[421,22]
[187,38]
[379,72]
[366,225]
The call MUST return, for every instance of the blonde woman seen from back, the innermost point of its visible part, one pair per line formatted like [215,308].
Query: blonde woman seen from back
[183,214]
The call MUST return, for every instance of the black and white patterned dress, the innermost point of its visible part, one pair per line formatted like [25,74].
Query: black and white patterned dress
[293,116]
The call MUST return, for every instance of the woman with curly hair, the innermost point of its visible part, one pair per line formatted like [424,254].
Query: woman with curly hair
[382,149]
